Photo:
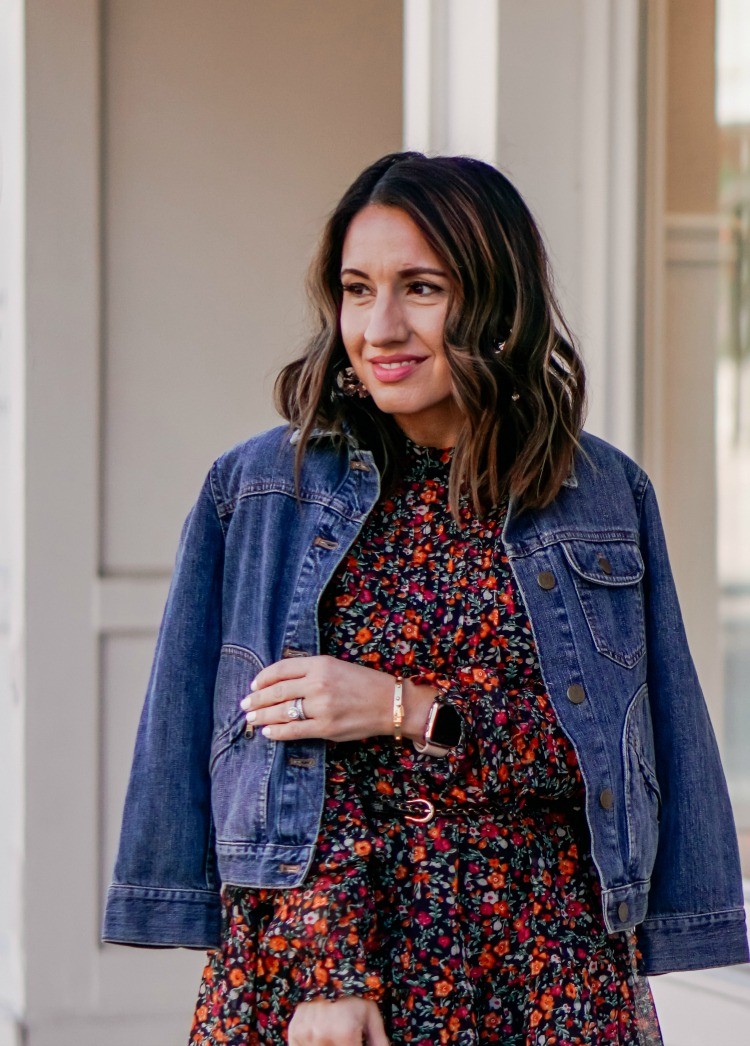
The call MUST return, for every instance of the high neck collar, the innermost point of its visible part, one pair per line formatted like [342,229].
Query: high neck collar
[420,455]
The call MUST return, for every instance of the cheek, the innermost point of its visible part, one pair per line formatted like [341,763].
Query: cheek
[351,332]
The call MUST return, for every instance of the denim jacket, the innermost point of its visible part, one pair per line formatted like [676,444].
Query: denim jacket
[208,802]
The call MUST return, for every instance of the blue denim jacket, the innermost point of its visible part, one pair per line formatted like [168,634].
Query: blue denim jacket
[209,803]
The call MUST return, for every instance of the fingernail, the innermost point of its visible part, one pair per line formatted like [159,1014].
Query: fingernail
[253,685]
[266,731]
[246,702]
[251,717]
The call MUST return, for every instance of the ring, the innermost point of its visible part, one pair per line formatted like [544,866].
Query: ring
[297,711]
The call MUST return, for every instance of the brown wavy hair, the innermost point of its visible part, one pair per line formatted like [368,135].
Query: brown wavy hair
[477,222]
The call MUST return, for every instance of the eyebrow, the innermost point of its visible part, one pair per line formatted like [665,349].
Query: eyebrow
[418,270]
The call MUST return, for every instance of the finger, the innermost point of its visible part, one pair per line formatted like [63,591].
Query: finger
[288,668]
[374,1028]
[273,694]
[276,714]
[296,731]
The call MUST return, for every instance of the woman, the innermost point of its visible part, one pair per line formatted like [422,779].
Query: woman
[424,758]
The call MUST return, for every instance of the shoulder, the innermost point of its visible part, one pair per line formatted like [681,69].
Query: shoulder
[266,461]
[602,496]
[600,462]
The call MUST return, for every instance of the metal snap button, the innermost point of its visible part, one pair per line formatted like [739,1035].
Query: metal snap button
[607,798]
[546,579]
[576,694]
[322,542]
[623,912]
[605,564]
[291,651]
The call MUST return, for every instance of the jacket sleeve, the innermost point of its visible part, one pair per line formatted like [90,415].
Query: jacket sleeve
[164,891]
[696,917]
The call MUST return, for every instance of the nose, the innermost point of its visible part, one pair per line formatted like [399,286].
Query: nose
[387,322]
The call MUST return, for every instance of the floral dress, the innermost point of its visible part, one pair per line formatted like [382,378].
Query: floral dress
[483,924]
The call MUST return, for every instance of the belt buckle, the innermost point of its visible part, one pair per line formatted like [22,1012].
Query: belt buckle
[426,816]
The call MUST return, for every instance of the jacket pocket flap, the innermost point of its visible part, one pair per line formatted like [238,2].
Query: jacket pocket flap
[605,562]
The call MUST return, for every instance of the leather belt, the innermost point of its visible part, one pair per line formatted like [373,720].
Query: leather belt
[423,809]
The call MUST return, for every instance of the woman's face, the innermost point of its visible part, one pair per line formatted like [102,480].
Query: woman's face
[395,301]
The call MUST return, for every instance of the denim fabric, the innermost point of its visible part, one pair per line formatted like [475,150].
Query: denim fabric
[209,802]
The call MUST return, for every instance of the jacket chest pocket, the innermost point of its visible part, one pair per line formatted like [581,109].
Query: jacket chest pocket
[607,576]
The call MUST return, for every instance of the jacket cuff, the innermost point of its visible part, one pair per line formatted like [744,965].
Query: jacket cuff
[693,942]
[152,918]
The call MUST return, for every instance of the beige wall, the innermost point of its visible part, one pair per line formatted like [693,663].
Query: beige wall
[230,131]
[180,157]
[692,133]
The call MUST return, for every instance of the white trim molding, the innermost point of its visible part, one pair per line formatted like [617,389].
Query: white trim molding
[550,94]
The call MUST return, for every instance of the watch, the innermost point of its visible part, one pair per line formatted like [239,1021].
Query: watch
[442,731]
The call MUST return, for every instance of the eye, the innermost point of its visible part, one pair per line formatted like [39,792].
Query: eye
[422,289]
[357,290]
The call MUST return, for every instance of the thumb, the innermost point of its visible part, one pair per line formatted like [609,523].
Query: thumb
[375,1029]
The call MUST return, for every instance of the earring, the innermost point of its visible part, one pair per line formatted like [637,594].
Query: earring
[349,384]
[499,346]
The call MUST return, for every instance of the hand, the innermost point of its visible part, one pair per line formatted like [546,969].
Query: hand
[339,1023]
[342,701]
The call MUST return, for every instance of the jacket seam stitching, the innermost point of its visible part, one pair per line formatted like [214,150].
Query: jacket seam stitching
[188,899]
[310,499]
[625,886]
[694,915]
[213,480]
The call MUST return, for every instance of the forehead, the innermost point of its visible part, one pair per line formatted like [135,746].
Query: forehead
[386,235]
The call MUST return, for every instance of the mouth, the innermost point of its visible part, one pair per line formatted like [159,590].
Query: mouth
[396,369]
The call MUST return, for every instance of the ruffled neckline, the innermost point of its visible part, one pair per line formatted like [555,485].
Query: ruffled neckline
[419,456]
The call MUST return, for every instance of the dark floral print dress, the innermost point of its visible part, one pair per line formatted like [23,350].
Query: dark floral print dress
[484,924]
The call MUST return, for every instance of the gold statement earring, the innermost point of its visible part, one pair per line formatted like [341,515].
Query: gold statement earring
[349,384]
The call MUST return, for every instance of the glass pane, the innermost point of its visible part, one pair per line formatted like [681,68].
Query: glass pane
[733,399]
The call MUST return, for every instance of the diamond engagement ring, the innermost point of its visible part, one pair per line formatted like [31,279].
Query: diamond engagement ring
[297,711]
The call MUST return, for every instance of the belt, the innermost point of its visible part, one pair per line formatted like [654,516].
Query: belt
[424,810]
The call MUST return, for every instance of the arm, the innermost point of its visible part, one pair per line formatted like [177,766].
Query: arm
[695,903]
[346,701]
[164,890]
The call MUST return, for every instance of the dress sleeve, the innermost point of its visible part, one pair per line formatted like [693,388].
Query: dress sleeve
[501,737]
[329,923]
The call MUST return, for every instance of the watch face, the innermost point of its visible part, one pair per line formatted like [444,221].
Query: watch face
[446,727]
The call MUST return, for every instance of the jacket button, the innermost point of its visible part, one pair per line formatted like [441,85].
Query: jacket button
[607,799]
[605,564]
[623,912]
[576,694]
[546,579]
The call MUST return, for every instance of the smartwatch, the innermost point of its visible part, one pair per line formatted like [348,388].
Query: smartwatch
[442,731]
